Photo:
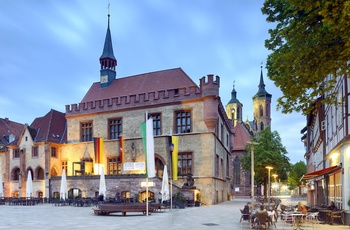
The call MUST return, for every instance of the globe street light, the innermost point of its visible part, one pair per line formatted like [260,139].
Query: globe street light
[252,169]
[269,185]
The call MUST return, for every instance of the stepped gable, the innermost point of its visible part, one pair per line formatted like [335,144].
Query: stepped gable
[49,128]
[241,137]
[139,84]
[7,128]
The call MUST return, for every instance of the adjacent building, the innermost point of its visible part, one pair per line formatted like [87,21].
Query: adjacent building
[326,138]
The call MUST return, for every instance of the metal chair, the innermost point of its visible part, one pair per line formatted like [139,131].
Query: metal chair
[244,216]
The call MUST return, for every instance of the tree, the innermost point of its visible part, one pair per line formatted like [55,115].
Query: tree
[297,171]
[268,152]
[311,41]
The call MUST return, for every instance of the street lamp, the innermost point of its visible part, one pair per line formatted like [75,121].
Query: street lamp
[252,169]
[275,176]
[269,185]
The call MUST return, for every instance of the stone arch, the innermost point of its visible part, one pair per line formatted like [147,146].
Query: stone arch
[15,172]
[29,169]
[54,171]
[159,165]
[39,173]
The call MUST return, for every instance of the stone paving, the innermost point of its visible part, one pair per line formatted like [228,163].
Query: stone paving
[47,216]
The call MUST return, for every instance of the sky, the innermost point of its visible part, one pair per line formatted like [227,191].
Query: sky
[50,50]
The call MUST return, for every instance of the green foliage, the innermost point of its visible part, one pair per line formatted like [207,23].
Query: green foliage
[311,40]
[268,152]
[297,171]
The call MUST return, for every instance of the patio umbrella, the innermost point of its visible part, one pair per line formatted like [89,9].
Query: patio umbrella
[29,186]
[1,188]
[103,189]
[165,185]
[63,191]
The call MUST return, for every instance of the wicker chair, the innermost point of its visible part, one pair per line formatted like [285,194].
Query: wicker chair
[336,215]
[262,220]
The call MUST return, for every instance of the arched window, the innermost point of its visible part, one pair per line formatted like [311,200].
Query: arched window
[40,175]
[159,167]
[236,171]
[261,126]
[261,110]
[15,174]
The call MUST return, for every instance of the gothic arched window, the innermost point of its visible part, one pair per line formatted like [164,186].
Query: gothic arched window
[236,171]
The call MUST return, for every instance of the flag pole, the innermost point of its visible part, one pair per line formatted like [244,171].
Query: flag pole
[146,116]
[171,174]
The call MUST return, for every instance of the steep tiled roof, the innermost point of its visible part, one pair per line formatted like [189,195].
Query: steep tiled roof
[143,83]
[241,137]
[49,128]
[7,128]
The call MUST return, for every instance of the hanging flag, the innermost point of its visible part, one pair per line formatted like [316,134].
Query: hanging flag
[98,147]
[174,156]
[121,149]
[148,145]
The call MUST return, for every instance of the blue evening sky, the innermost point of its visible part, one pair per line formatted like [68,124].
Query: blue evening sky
[49,51]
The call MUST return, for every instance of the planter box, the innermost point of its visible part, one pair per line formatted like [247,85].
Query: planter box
[347,218]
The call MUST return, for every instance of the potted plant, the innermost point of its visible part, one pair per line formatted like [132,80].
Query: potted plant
[180,200]
[198,200]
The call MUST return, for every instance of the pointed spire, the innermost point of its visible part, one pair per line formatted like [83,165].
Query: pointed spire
[108,47]
[233,95]
[262,92]
[107,60]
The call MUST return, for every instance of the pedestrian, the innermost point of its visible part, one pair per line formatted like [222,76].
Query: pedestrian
[101,199]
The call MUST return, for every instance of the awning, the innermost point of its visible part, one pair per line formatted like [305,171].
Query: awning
[321,172]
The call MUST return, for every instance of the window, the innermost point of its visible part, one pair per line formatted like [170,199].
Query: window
[156,124]
[236,171]
[184,164]
[261,111]
[115,128]
[64,164]
[217,165]
[222,133]
[15,153]
[261,126]
[227,166]
[183,122]
[114,166]
[53,152]
[35,152]
[86,131]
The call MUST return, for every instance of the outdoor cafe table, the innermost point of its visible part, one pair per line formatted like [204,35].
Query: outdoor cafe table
[297,219]
[324,213]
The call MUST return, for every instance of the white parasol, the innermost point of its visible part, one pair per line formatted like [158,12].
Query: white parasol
[63,191]
[165,185]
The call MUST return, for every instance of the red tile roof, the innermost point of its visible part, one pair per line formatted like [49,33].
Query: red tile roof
[49,128]
[142,83]
[7,128]
[241,137]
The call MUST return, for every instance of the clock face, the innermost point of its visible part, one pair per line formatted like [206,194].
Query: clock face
[104,79]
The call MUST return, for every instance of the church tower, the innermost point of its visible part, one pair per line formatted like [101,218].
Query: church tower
[262,107]
[107,61]
[234,108]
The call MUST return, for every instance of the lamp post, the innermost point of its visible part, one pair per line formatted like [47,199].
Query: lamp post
[269,185]
[252,169]
[275,176]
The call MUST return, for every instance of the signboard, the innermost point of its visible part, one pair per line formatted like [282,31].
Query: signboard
[134,166]
[144,184]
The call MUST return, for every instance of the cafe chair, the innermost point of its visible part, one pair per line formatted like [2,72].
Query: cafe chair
[336,215]
[244,216]
[262,220]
